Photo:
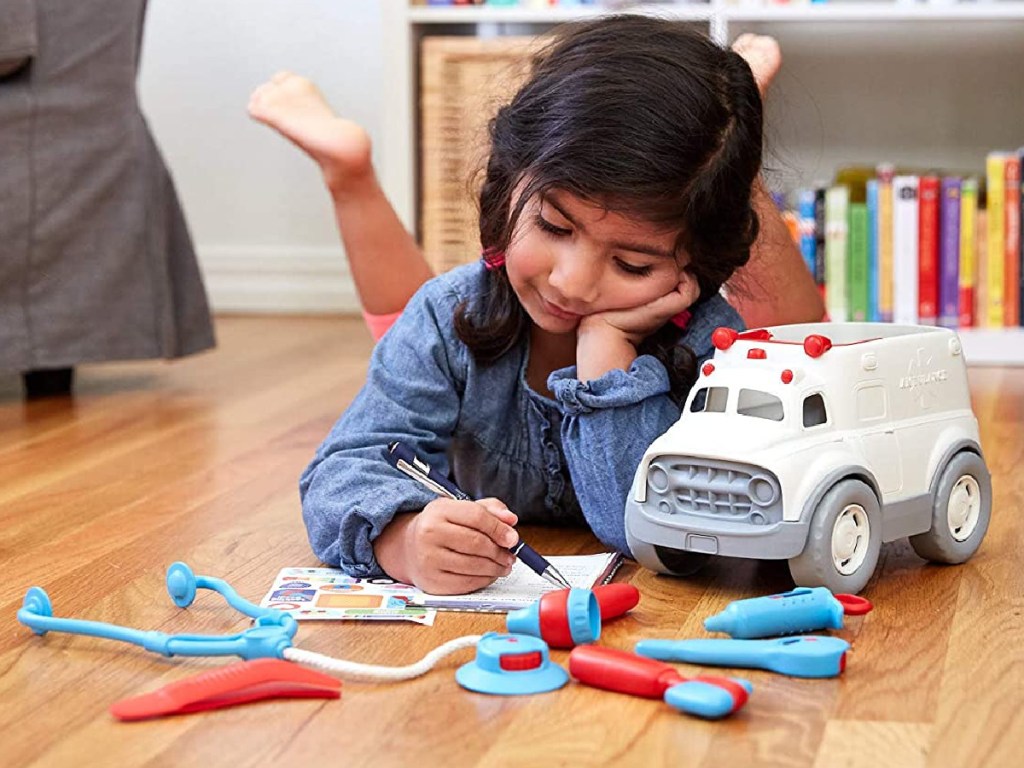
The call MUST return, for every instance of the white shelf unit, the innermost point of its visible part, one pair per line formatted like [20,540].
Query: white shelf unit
[922,84]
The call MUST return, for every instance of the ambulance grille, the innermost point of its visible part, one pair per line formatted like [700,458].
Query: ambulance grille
[720,490]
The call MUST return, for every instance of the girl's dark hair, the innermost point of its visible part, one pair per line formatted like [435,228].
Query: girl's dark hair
[645,117]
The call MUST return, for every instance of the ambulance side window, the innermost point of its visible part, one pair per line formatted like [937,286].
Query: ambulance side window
[710,400]
[814,410]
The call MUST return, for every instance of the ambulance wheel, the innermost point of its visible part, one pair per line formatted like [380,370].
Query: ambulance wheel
[843,541]
[960,511]
[675,562]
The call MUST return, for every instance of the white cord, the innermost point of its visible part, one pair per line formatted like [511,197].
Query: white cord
[344,668]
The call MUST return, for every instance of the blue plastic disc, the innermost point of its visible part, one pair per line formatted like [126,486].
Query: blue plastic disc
[511,665]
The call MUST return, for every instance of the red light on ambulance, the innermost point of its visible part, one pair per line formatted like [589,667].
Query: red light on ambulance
[787,376]
[817,345]
[708,369]
[757,354]
[723,338]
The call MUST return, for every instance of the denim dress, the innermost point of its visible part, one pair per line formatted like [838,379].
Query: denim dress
[569,460]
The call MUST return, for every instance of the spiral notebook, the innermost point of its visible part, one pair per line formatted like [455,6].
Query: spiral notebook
[523,586]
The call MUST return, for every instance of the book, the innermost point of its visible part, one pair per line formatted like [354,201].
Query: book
[1011,227]
[523,587]
[885,263]
[325,594]
[837,202]
[928,250]
[872,234]
[857,262]
[995,251]
[949,252]
[968,249]
[905,249]
[808,245]
[819,238]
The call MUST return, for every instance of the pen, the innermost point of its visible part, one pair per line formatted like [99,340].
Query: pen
[404,460]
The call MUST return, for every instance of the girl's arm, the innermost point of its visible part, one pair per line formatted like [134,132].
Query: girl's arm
[775,287]
[609,423]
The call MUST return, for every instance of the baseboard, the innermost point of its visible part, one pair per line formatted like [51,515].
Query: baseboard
[277,279]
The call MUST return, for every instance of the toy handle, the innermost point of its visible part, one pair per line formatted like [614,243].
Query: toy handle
[621,671]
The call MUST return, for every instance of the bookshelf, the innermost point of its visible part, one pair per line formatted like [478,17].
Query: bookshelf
[952,69]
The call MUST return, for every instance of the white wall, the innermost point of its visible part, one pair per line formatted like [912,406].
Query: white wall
[259,215]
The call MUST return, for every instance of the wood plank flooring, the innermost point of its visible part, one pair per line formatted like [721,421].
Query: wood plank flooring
[198,460]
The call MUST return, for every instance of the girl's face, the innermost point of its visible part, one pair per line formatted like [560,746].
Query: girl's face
[570,258]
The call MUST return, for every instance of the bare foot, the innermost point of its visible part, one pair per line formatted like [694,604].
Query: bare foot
[295,108]
[763,55]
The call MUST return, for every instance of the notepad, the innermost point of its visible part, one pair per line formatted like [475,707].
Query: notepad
[522,586]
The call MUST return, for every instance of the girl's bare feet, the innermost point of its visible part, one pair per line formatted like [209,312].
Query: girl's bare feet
[763,55]
[296,109]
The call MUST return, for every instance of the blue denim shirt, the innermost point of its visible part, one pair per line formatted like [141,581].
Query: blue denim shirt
[570,460]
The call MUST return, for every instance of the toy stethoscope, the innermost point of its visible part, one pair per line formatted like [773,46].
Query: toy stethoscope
[269,637]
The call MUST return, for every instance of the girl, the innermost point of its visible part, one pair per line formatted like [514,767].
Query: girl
[615,204]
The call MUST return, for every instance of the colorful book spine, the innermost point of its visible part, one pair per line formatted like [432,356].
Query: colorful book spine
[857,262]
[928,250]
[995,267]
[905,249]
[1020,230]
[949,252]
[968,249]
[1011,263]
[885,253]
[819,238]
[805,218]
[981,255]
[837,202]
[872,205]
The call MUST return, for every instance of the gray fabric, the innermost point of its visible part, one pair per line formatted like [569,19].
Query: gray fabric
[96,262]
[17,29]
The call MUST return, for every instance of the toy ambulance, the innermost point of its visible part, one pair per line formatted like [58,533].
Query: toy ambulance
[816,443]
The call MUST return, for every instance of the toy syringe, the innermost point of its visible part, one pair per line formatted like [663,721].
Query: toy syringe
[805,609]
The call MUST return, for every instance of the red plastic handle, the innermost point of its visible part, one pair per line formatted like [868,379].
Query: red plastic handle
[616,599]
[621,671]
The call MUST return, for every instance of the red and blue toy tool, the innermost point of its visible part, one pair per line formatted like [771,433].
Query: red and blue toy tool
[795,656]
[614,670]
[805,609]
[569,617]
[511,665]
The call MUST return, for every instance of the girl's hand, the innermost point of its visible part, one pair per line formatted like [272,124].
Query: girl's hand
[451,547]
[608,340]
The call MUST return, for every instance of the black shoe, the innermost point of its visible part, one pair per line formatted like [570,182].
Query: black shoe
[52,382]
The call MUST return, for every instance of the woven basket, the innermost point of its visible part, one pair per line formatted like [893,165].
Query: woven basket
[463,82]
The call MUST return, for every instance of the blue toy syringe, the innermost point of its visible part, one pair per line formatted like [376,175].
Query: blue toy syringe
[804,609]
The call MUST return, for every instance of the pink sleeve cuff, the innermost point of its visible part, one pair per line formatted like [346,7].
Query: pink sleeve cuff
[379,324]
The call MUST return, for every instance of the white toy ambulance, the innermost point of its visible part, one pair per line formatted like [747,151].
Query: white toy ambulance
[816,443]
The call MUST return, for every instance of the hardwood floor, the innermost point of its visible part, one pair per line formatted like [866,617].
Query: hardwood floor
[198,460]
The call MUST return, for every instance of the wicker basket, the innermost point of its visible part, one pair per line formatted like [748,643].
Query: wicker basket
[463,81]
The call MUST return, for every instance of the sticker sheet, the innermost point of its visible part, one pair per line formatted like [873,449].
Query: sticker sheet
[329,594]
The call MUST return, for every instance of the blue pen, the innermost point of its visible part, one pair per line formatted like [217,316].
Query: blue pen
[404,460]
